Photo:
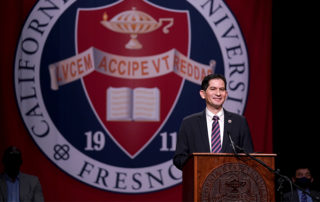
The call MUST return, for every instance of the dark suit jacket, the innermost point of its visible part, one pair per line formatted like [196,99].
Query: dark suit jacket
[294,197]
[29,188]
[193,136]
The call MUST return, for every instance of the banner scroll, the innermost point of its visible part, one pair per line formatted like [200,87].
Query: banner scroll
[93,59]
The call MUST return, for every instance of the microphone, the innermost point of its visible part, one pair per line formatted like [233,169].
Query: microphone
[232,143]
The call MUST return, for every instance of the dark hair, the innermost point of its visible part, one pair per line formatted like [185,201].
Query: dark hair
[11,154]
[206,79]
[301,164]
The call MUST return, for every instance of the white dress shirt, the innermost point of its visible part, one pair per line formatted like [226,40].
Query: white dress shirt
[209,116]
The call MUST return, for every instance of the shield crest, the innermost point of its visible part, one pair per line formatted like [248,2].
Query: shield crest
[135,29]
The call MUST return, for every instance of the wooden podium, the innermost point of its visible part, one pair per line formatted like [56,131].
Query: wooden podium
[226,177]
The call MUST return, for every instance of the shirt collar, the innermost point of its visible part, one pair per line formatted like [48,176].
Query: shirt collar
[307,190]
[210,115]
[9,179]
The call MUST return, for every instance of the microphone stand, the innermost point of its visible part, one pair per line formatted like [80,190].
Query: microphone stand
[276,172]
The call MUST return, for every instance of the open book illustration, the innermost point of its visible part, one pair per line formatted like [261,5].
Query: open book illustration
[139,104]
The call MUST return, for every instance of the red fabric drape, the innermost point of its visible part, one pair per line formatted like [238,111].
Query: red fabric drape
[254,18]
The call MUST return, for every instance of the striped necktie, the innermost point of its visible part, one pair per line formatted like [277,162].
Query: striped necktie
[304,197]
[215,136]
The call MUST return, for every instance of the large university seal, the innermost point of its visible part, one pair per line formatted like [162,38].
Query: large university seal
[102,86]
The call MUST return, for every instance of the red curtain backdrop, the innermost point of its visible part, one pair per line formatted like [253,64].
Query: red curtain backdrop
[254,18]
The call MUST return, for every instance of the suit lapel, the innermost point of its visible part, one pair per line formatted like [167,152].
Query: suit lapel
[22,187]
[204,131]
[3,187]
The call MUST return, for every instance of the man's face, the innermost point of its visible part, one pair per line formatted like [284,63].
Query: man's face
[303,178]
[215,94]
[303,172]
[12,164]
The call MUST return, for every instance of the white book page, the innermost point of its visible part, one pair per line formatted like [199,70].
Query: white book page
[146,104]
[119,104]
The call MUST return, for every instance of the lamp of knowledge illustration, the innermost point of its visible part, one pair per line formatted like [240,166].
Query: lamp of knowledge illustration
[135,22]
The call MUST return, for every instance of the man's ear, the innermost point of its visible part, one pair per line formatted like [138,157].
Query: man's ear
[202,94]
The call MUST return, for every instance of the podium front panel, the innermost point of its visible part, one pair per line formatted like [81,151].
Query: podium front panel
[226,177]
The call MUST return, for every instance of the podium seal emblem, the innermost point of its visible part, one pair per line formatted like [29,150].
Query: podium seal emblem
[234,182]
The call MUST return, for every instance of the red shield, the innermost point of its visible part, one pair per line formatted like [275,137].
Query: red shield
[132,136]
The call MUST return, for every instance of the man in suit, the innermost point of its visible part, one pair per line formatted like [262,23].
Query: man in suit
[16,186]
[303,179]
[209,130]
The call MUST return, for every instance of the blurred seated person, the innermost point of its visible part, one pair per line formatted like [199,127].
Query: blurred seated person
[16,186]
[303,178]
